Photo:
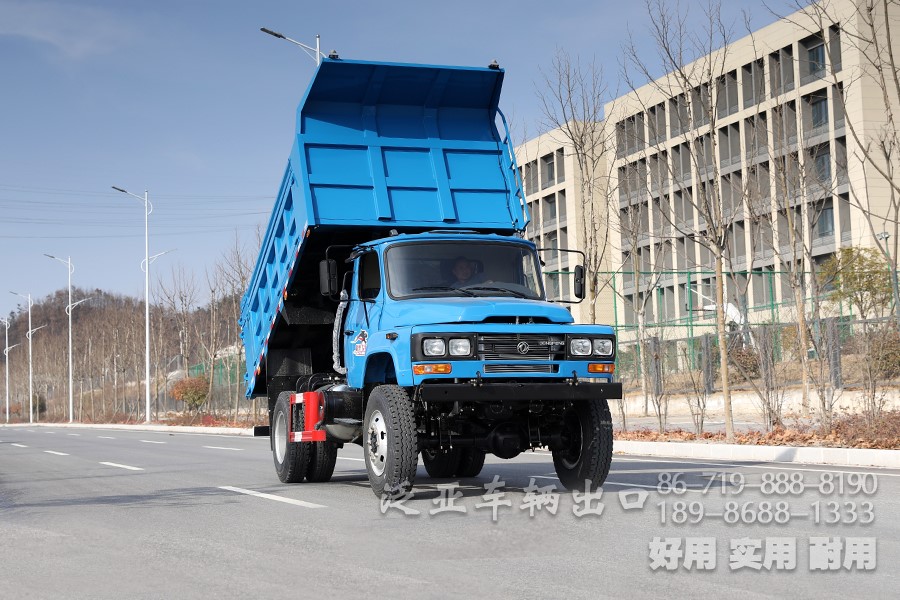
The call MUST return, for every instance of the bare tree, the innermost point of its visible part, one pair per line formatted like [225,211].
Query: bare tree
[696,86]
[572,99]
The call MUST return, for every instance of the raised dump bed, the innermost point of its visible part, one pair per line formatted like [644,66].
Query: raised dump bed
[378,146]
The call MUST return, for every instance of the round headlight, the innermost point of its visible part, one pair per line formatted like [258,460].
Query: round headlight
[434,347]
[580,347]
[460,347]
[603,347]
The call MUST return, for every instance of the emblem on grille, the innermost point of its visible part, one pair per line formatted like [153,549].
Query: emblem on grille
[523,347]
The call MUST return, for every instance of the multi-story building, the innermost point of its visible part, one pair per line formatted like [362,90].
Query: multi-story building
[759,137]
[551,182]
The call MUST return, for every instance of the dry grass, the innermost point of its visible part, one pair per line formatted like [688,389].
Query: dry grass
[847,431]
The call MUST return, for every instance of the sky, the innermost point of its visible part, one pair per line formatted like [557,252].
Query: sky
[188,100]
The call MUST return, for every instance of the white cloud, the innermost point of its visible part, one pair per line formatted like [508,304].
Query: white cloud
[75,31]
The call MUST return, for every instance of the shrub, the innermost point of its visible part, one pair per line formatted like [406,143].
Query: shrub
[885,353]
[747,359]
[192,391]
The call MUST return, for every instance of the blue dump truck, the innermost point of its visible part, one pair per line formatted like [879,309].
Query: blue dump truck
[395,303]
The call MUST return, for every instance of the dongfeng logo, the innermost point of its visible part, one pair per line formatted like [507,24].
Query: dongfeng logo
[523,348]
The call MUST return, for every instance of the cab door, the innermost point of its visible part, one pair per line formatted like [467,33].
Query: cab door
[363,313]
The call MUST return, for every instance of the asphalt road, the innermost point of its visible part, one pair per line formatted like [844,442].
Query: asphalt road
[94,513]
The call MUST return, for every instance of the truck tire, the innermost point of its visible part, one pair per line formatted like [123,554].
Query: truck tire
[440,464]
[585,463]
[471,461]
[291,459]
[389,441]
[322,457]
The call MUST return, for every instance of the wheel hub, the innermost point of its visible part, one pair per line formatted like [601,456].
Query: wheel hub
[572,453]
[280,437]
[377,446]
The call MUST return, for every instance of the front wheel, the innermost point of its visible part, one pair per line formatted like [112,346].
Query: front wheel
[583,463]
[389,441]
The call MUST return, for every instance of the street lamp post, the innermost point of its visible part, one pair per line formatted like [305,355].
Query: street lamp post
[148,208]
[314,53]
[69,307]
[28,335]
[6,349]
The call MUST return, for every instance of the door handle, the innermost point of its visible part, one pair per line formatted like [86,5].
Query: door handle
[348,332]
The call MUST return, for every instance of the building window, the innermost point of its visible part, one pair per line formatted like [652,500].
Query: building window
[781,71]
[835,38]
[549,211]
[822,165]
[753,79]
[727,94]
[812,49]
[548,173]
[560,166]
[531,178]
[816,57]
[818,106]
[551,242]
[825,221]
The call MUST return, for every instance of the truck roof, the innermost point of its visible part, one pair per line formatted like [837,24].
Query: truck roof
[443,236]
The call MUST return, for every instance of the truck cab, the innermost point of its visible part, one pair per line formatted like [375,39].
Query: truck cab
[410,311]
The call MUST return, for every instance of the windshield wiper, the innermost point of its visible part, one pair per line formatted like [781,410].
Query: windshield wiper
[443,288]
[499,289]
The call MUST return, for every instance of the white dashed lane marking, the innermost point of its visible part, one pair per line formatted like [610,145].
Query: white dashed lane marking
[74,434]
[56,453]
[223,448]
[117,465]
[302,503]
[19,445]
[151,442]
[105,437]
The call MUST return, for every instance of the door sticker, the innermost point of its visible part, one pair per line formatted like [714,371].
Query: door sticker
[360,343]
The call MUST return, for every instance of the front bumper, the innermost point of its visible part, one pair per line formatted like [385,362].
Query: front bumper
[530,391]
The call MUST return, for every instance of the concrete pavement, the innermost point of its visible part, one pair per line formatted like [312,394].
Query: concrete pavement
[112,513]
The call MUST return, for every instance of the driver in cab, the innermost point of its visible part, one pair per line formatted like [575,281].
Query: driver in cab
[465,272]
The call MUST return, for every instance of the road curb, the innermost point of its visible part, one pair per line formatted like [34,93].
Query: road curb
[143,427]
[838,457]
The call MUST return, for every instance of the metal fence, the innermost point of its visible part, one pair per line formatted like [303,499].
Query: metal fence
[681,355]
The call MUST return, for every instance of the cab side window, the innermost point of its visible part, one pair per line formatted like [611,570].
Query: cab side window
[369,276]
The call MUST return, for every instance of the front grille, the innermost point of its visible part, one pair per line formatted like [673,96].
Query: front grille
[521,347]
[495,368]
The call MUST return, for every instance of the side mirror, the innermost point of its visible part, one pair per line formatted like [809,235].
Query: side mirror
[328,277]
[579,282]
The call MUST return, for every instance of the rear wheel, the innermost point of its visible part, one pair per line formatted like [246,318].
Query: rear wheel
[583,463]
[291,459]
[322,458]
[441,463]
[389,441]
[471,461]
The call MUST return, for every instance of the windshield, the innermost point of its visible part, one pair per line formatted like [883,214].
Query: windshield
[417,270]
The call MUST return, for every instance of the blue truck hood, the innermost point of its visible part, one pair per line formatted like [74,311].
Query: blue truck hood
[431,311]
